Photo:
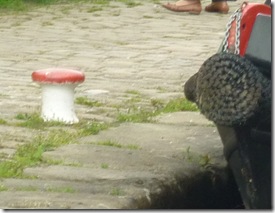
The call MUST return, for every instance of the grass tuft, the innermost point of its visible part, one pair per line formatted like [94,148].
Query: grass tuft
[85,129]
[3,188]
[34,121]
[203,160]
[137,115]
[30,154]
[67,189]
[130,3]
[104,166]
[2,121]
[118,145]
[94,9]
[87,102]
[117,192]
[27,188]
[179,104]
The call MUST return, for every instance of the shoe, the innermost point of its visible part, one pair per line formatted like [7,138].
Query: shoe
[191,6]
[218,7]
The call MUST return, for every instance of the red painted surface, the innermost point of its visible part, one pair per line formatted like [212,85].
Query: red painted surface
[249,14]
[58,75]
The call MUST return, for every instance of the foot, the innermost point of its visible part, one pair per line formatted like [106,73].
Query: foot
[191,6]
[218,7]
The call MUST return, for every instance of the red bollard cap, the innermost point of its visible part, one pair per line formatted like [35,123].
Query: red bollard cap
[58,75]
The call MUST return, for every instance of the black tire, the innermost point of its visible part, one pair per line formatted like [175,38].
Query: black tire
[229,90]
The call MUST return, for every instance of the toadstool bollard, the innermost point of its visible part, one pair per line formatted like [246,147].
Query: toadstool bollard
[58,86]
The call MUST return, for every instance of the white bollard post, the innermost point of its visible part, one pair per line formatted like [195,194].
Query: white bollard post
[58,86]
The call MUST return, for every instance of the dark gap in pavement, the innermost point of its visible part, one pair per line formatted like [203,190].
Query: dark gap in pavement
[211,189]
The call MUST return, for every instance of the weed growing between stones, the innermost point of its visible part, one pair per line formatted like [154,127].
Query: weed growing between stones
[30,154]
[3,188]
[87,102]
[94,9]
[83,128]
[203,160]
[47,23]
[117,192]
[27,188]
[117,145]
[138,115]
[90,128]
[2,121]
[133,92]
[179,104]
[34,121]
[65,189]
[129,3]
[104,166]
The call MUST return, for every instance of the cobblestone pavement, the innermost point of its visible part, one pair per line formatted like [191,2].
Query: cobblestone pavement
[128,55]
